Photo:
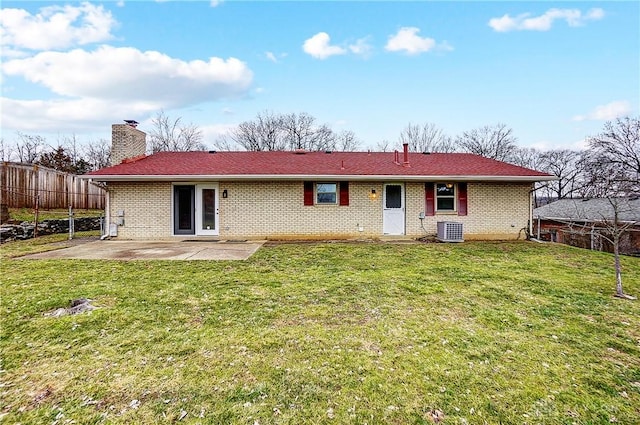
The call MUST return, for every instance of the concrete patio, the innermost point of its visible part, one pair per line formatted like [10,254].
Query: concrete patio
[154,250]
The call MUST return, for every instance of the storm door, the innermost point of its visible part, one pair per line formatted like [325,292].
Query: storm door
[207,209]
[393,209]
[183,209]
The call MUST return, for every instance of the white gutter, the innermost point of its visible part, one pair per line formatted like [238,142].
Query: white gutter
[338,177]
[566,220]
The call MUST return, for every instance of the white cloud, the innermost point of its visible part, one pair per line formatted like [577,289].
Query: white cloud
[117,81]
[525,22]
[547,145]
[275,58]
[126,73]
[55,27]
[361,47]
[213,131]
[607,112]
[228,111]
[68,116]
[271,57]
[215,3]
[407,40]
[319,46]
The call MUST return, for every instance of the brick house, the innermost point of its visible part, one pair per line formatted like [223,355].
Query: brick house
[581,222]
[309,195]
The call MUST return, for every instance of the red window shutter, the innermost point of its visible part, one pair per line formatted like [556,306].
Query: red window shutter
[462,199]
[344,193]
[308,193]
[430,205]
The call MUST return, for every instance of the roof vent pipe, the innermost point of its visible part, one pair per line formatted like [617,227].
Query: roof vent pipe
[405,146]
[396,158]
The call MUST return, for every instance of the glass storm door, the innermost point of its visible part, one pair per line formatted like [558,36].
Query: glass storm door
[393,209]
[207,209]
[183,207]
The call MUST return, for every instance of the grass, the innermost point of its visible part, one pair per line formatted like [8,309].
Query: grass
[42,244]
[28,214]
[326,333]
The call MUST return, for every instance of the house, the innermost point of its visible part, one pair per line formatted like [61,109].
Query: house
[582,222]
[309,195]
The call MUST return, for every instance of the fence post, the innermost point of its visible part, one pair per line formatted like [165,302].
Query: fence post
[71,223]
[36,211]
[4,193]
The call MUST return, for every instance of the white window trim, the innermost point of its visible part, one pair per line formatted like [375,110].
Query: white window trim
[454,197]
[315,193]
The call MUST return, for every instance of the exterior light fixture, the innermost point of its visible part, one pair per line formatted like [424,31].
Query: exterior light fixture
[373,194]
[224,193]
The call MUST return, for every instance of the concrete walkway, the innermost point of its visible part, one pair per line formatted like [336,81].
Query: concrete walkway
[153,250]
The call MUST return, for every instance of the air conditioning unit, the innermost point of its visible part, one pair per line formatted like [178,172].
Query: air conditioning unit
[449,231]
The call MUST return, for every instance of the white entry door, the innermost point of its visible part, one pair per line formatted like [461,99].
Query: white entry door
[393,209]
[206,210]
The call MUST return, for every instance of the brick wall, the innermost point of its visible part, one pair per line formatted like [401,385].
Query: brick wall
[126,142]
[146,206]
[275,210]
[495,211]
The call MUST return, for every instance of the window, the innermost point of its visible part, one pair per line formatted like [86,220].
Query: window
[326,193]
[445,197]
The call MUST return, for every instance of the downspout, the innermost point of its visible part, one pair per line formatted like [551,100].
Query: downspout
[531,211]
[107,215]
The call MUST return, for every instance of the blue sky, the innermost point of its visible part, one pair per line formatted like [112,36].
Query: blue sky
[553,71]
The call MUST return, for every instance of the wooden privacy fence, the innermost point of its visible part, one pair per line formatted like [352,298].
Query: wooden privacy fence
[24,185]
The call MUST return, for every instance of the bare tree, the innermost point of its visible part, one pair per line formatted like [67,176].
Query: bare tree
[527,157]
[98,154]
[496,142]
[426,138]
[172,135]
[619,146]
[276,132]
[566,165]
[383,145]
[29,147]
[531,158]
[612,171]
[6,151]
[299,131]
[264,133]
[346,141]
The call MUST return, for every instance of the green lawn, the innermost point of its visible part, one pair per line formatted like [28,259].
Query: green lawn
[28,214]
[473,333]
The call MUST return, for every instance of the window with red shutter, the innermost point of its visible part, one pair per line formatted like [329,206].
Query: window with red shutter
[429,193]
[344,194]
[462,199]
[308,193]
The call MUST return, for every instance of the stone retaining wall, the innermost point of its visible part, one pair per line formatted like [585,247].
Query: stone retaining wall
[25,230]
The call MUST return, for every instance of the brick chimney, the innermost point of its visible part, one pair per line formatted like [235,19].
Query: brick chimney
[127,142]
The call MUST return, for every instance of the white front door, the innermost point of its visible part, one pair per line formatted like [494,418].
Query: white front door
[393,209]
[206,210]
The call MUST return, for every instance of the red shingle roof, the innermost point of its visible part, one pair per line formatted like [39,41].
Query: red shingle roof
[288,165]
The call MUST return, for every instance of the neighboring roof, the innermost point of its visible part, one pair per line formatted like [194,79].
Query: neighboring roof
[590,210]
[176,166]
